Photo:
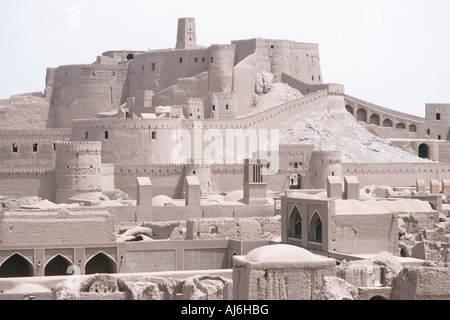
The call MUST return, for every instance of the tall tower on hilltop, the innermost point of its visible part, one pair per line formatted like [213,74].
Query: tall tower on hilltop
[186,34]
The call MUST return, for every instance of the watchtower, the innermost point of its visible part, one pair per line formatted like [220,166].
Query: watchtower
[186,34]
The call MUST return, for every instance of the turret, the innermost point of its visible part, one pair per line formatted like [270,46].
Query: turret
[78,170]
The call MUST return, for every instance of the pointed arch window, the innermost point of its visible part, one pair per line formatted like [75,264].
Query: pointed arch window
[315,228]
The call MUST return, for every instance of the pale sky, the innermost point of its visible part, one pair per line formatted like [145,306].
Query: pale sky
[393,53]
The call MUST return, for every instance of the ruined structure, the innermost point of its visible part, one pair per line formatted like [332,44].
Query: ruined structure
[187,160]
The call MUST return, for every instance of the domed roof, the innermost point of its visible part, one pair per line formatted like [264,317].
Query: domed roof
[282,253]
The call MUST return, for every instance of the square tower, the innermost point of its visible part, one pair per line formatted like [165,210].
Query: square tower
[186,34]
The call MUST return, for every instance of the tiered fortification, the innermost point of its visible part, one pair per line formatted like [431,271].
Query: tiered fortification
[149,114]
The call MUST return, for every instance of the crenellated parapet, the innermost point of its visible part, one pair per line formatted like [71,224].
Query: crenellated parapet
[51,134]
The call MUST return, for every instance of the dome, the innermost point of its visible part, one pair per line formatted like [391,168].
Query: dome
[282,253]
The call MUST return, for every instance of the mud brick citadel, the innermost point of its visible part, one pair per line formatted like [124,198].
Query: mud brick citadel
[229,171]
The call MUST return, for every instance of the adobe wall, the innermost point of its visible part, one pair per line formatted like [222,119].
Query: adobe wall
[307,88]
[30,110]
[133,138]
[177,255]
[56,227]
[82,91]
[396,174]
[130,139]
[78,170]
[437,121]
[386,122]
[27,155]
[364,233]
[157,70]
[166,179]
[19,183]
[300,60]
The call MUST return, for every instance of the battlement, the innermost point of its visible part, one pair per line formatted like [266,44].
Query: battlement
[26,171]
[78,143]
[36,134]
[223,46]
[266,43]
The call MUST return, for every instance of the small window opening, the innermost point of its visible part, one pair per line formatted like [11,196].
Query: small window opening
[15,148]
[153,135]
[203,59]
[428,131]
[86,135]
[212,59]
[438,116]
[106,135]
[226,107]
[439,137]
[181,60]
[195,60]
[153,66]
[214,108]
[35,147]
[130,56]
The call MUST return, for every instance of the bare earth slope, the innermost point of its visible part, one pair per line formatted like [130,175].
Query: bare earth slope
[331,127]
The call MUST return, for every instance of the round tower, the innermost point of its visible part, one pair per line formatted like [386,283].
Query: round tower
[221,67]
[78,170]
[322,165]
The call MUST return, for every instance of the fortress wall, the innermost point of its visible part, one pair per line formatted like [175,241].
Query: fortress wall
[301,60]
[185,88]
[166,179]
[133,138]
[244,48]
[82,91]
[25,139]
[307,88]
[437,121]
[159,69]
[396,174]
[130,139]
[19,183]
[386,122]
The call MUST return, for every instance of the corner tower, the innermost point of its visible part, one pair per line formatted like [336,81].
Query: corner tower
[186,34]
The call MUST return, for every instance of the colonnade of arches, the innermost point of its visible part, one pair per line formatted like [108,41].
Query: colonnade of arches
[374,118]
[18,265]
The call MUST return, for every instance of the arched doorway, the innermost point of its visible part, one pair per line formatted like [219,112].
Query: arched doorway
[57,266]
[424,151]
[315,228]
[100,263]
[294,181]
[16,266]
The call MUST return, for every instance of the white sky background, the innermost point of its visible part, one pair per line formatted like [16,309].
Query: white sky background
[393,53]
